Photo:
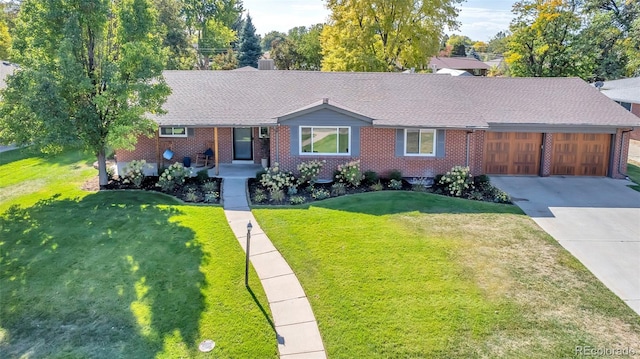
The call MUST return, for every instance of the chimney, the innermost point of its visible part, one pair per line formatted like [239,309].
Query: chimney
[266,64]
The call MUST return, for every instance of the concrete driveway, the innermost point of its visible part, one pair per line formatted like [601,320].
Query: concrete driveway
[596,219]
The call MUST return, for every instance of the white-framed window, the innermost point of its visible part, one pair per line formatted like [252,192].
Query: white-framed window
[419,142]
[325,140]
[170,131]
[263,132]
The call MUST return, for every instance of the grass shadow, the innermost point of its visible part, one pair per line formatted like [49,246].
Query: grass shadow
[60,159]
[102,276]
[394,202]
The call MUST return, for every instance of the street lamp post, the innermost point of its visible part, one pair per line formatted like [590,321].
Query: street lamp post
[246,265]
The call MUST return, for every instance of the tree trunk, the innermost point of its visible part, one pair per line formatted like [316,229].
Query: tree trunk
[102,168]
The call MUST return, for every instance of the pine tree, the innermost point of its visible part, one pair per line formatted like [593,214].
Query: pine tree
[250,50]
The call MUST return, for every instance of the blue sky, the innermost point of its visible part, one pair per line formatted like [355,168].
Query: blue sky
[480,19]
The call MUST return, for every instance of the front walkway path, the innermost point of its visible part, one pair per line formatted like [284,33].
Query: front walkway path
[295,325]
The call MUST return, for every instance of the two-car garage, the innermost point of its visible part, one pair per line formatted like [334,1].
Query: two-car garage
[522,153]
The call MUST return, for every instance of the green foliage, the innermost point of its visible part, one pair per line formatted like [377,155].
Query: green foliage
[134,173]
[267,42]
[370,177]
[384,35]
[395,184]
[309,171]
[297,200]
[210,187]
[202,176]
[260,173]
[395,175]
[377,186]
[300,49]
[459,44]
[338,189]
[191,196]
[172,30]
[275,180]
[172,177]
[259,196]
[5,38]
[249,51]
[277,196]
[457,182]
[89,74]
[320,194]
[350,173]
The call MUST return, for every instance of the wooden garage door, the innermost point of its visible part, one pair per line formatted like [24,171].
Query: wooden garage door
[513,153]
[580,154]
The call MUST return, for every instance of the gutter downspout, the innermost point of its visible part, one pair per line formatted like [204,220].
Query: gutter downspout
[467,149]
[277,143]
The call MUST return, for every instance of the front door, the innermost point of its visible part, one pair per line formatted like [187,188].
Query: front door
[242,144]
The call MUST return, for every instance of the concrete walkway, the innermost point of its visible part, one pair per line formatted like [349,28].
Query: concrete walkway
[295,325]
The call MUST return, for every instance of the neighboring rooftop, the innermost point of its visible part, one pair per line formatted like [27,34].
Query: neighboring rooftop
[453,72]
[623,90]
[457,63]
[251,98]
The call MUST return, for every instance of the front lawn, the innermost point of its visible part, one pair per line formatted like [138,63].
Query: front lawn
[401,274]
[633,171]
[118,274]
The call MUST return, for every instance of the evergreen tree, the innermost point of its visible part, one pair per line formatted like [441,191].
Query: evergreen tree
[250,50]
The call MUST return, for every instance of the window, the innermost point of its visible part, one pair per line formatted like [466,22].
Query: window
[325,140]
[263,132]
[173,131]
[626,105]
[419,142]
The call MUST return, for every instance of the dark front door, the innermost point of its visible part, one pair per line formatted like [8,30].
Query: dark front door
[242,144]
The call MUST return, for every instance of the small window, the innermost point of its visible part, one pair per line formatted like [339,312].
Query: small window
[626,105]
[263,132]
[173,131]
[419,142]
[325,140]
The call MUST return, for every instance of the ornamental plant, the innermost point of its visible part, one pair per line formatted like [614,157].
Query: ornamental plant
[457,182]
[173,176]
[309,171]
[350,173]
[134,173]
[276,180]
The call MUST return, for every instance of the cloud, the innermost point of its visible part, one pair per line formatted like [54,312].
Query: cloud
[482,23]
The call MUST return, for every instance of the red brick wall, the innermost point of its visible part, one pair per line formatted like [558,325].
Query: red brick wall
[635,109]
[377,153]
[547,145]
[620,157]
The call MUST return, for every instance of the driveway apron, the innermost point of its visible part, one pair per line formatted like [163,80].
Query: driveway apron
[596,219]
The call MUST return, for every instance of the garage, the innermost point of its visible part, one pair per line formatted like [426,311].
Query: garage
[580,154]
[512,153]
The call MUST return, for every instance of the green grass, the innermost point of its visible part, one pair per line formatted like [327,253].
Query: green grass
[633,171]
[400,274]
[118,274]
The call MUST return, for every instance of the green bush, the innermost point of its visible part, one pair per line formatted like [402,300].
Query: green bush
[277,196]
[395,184]
[349,173]
[211,197]
[338,189]
[320,193]
[395,175]
[377,186]
[457,182]
[309,171]
[370,177]
[276,180]
[260,173]
[172,177]
[210,187]
[259,196]
[134,173]
[297,200]
[202,176]
[191,196]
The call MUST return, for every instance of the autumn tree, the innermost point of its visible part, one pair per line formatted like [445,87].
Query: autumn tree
[268,39]
[459,44]
[299,49]
[90,71]
[384,35]
[544,38]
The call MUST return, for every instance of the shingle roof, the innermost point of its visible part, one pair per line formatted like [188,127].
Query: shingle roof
[457,63]
[239,98]
[625,90]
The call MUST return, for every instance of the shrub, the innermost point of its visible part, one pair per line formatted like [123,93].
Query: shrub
[349,173]
[457,181]
[202,176]
[260,173]
[277,196]
[259,196]
[395,184]
[191,196]
[475,195]
[292,191]
[320,193]
[276,180]
[500,196]
[395,175]
[377,186]
[210,187]
[297,200]
[191,188]
[370,177]
[134,173]
[172,177]
[111,173]
[309,171]
[420,184]
[338,189]
[211,197]
[481,181]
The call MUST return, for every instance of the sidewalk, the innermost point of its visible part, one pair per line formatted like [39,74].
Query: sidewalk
[296,327]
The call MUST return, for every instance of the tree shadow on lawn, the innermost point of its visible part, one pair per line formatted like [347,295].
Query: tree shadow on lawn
[394,202]
[103,276]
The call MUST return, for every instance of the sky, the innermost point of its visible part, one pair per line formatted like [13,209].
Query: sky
[480,19]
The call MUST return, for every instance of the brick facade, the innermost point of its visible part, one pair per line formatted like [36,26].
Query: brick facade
[635,109]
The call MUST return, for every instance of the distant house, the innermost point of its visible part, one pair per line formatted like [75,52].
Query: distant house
[453,72]
[626,92]
[420,124]
[469,64]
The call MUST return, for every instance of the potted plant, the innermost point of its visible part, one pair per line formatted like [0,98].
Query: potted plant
[265,151]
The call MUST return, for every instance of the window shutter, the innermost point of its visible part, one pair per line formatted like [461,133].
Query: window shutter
[399,142]
[440,145]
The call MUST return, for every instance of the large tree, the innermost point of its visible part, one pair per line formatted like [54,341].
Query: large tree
[172,29]
[249,51]
[544,40]
[90,71]
[384,35]
[300,49]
